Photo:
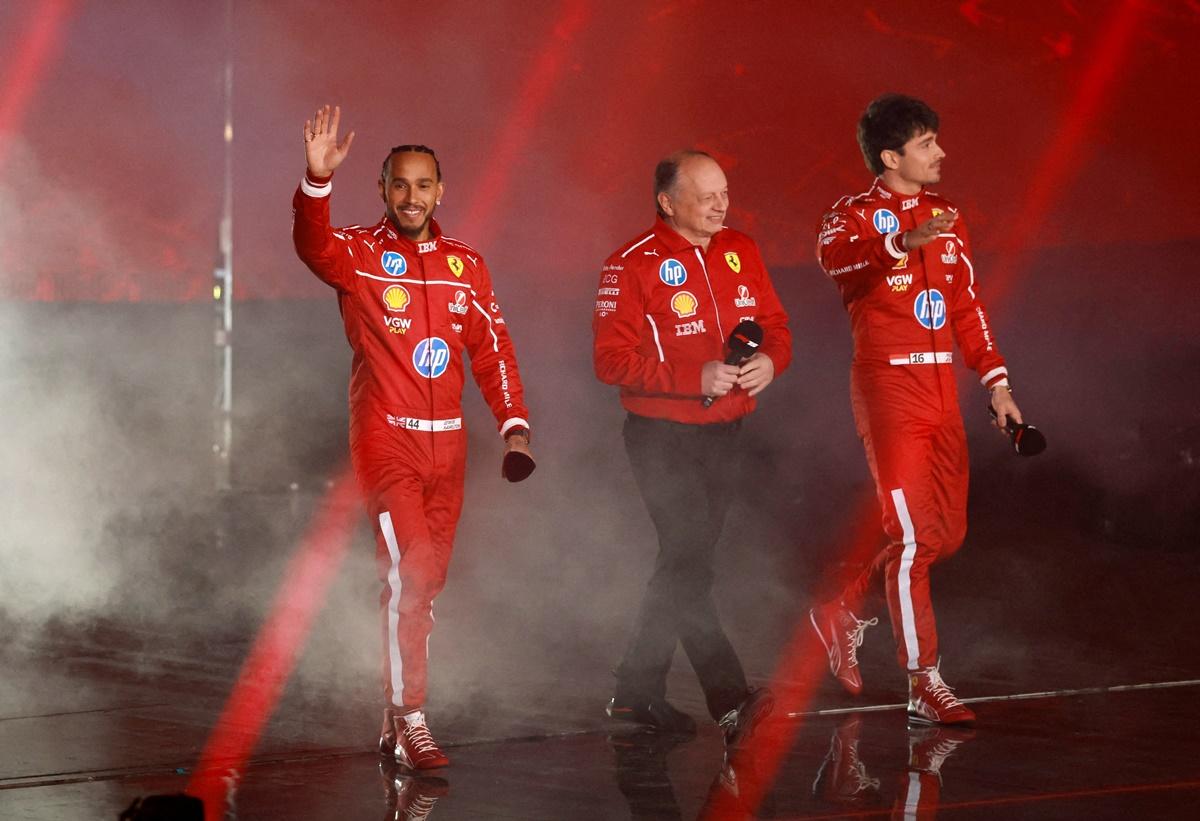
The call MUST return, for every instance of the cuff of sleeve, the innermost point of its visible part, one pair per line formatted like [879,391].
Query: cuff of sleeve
[994,377]
[316,186]
[514,422]
[892,244]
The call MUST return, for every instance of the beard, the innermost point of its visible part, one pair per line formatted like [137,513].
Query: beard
[412,233]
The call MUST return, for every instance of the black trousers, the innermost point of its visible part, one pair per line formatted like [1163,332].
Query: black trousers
[683,472]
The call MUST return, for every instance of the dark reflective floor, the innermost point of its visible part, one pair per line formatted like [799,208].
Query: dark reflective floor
[89,725]
[1112,755]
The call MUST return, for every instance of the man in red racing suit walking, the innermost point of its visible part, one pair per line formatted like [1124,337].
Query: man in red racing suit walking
[901,257]
[412,301]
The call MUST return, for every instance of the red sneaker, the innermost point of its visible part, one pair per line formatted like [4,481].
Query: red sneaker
[407,738]
[842,633]
[931,701]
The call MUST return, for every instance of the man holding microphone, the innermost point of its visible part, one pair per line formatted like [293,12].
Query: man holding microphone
[666,304]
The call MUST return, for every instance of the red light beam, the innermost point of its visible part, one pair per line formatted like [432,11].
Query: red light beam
[34,49]
[271,661]
[1063,156]
[505,155]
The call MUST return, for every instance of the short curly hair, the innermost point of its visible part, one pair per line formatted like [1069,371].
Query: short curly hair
[889,122]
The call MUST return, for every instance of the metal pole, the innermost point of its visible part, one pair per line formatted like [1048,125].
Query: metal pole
[223,287]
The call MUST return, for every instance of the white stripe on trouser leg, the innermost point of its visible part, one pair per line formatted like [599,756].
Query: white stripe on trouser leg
[904,583]
[393,640]
[912,801]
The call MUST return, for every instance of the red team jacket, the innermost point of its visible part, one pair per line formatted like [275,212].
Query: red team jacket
[410,310]
[665,307]
[906,309]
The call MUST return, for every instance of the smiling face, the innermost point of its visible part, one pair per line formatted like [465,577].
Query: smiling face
[410,190]
[917,164]
[697,203]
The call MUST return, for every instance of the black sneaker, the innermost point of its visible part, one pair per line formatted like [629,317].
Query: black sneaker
[739,723]
[653,712]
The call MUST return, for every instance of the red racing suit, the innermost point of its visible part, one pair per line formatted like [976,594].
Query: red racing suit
[410,311]
[906,310]
[664,307]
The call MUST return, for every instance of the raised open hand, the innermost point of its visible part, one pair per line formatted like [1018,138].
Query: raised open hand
[321,147]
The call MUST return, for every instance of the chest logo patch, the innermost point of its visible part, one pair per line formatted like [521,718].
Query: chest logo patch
[951,255]
[456,266]
[459,305]
[733,261]
[885,221]
[744,300]
[431,357]
[684,304]
[394,263]
[672,273]
[930,309]
[396,298]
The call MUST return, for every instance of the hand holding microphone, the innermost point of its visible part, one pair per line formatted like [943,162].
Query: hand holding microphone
[1027,440]
[518,462]
[721,377]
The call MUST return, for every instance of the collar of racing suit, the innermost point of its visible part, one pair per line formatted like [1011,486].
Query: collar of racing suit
[887,192]
[675,241]
[412,246]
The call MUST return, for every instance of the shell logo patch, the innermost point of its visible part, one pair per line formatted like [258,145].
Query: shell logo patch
[396,298]
[733,261]
[684,304]
[456,266]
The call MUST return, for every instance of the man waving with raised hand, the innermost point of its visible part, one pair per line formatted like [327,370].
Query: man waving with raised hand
[413,301]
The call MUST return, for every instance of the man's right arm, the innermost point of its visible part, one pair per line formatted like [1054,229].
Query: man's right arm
[618,325]
[847,246]
[327,254]
[318,247]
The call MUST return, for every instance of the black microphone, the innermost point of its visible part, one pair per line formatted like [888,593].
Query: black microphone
[743,342]
[1027,440]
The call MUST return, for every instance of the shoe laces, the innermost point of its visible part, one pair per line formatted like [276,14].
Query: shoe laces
[418,736]
[940,752]
[854,636]
[862,781]
[939,689]
[729,720]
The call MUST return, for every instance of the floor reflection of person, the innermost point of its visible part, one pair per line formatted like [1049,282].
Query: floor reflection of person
[409,796]
[667,301]
[641,769]
[844,780]
[901,258]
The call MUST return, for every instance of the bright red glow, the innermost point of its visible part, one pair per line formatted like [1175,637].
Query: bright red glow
[33,50]
[1065,155]
[522,122]
[802,667]
[273,657]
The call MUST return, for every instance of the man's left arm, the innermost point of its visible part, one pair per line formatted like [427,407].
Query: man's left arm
[775,352]
[974,333]
[494,363]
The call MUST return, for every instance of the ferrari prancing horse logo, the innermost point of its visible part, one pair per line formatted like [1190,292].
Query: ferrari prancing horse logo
[734,261]
[456,266]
